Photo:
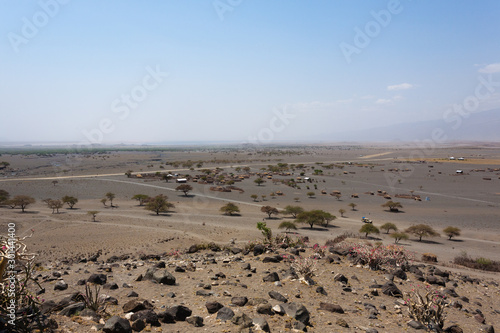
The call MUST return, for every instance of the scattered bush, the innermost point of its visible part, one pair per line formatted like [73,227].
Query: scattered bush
[430,257]
[478,263]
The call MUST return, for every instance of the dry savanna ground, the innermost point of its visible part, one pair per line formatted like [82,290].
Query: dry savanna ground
[468,200]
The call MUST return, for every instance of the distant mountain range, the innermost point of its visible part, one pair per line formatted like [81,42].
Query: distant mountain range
[480,126]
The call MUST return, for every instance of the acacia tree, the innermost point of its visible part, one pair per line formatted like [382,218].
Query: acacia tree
[55,205]
[310,194]
[4,196]
[422,230]
[352,205]
[369,228]
[341,211]
[184,188]
[259,181]
[22,201]
[329,217]
[393,206]
[166,177]
[452,232]
[110,196]
[159,204]
[293,210]
[70,201]
[399,236]
[287,225]
[338,196]
[254,197]
[388,227]
[142,198]
[103,201]
[229,209]
[93,213]
[312,217]
[269,210]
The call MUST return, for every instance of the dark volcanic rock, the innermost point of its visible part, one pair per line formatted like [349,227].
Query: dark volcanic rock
[258,249]
[100,279]
[116,324]
[297,311]
[196,321]
[160,276]
[61,285]
[272,277]
[390,289]
[225,314]
[242,320]
[148,316]
[179,312]
[331,307]
[239,301]
[261,324]
[136,306]
[213,307]
[277,296]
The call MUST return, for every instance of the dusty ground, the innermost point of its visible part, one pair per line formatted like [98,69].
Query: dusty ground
[466,200]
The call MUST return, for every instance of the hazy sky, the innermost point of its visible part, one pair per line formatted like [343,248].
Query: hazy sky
[243,70]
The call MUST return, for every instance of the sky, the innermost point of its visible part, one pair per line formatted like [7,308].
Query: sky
[123,71]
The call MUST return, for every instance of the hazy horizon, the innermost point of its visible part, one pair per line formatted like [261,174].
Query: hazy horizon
[242,71]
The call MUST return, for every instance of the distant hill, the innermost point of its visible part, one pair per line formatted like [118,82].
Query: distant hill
[481,126]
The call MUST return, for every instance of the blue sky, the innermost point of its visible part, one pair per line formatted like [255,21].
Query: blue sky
[238,70]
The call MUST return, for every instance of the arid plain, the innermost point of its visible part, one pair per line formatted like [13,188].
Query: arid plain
[468,199]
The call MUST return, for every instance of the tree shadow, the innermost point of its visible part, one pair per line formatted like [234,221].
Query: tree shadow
[70,209]
[314,228]
[29,212]
[187,196]
[233,214]
[456,240]
[332,226]
[427,241]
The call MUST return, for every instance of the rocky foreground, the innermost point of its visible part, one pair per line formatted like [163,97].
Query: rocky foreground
[255,289]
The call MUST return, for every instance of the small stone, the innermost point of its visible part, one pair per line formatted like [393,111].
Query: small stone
[225,314]
[277,296]
[331,307]
[341,322]
[239,301]
[213,307]
[196,321]
[61,285]
[416,325]
[117,324]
